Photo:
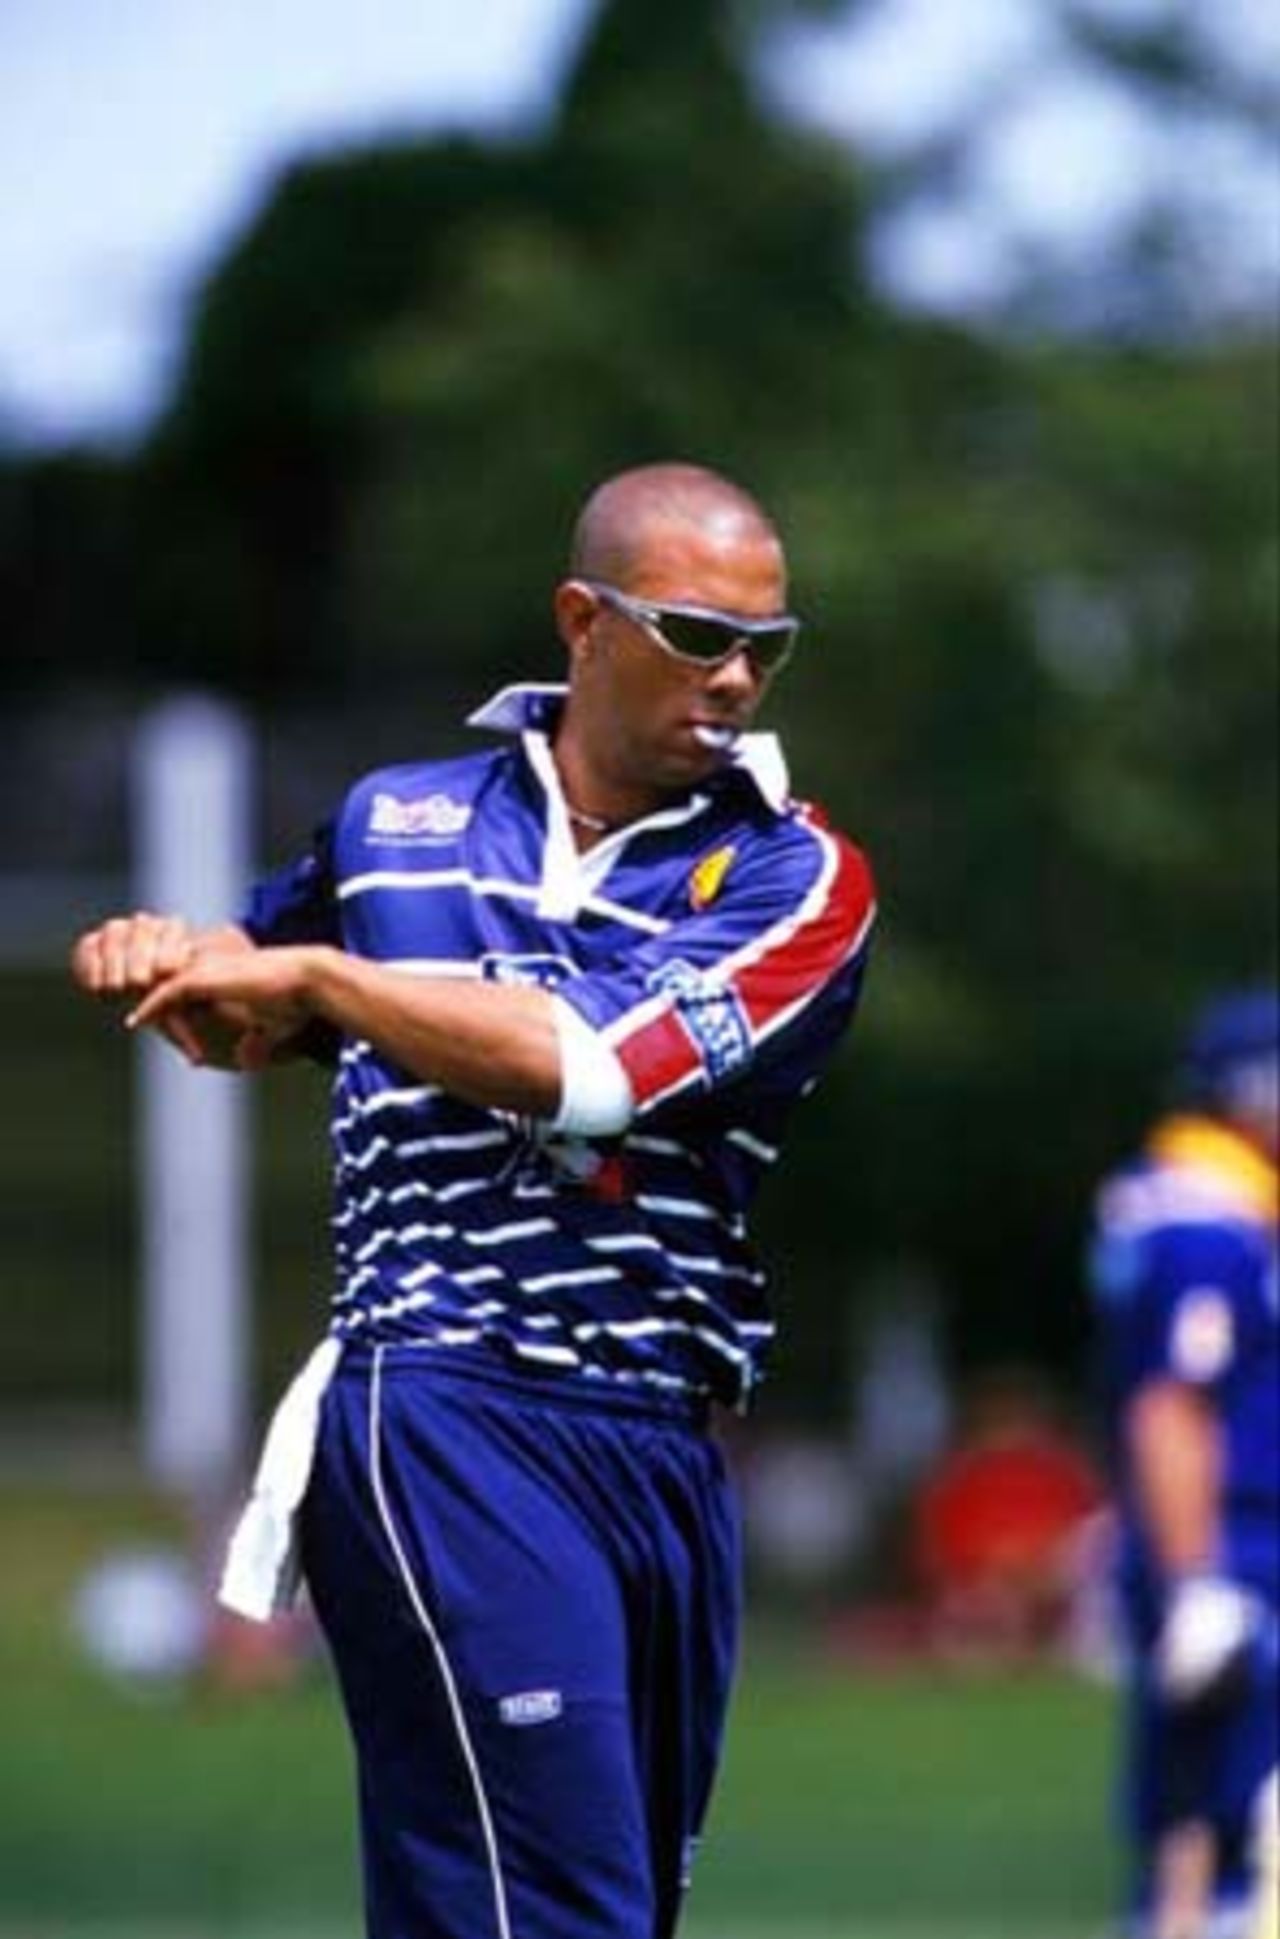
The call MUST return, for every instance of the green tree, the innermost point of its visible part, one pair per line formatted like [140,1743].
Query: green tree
[1039,682]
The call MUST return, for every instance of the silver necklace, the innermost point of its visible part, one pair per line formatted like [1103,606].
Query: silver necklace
[596,823]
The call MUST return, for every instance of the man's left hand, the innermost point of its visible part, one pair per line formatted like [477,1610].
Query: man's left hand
[260,993]
[1208,1631]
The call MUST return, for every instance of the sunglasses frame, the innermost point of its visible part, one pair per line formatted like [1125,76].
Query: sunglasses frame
[650,615]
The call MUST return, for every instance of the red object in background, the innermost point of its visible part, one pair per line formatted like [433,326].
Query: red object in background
[994,1536]
[1002,1509]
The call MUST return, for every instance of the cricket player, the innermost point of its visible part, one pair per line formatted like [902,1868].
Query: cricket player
[572,983]
[1185,1272]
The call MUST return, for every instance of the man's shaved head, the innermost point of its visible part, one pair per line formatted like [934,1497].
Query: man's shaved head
[621,520]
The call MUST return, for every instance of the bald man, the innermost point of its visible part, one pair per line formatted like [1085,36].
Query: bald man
[572,985]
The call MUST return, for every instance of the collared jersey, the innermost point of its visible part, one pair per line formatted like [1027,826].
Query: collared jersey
[1184,1270]
[717,946]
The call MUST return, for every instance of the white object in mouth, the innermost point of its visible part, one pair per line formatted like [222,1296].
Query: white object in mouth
[719,738]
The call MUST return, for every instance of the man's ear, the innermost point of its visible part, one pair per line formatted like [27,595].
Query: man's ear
[575,608]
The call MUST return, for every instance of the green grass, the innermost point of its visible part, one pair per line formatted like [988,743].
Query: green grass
[848,1927]
[912,1806]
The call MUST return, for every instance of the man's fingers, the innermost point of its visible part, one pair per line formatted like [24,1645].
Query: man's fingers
[154,947]
[163,998]
[173,947]
[110,954]
[178,1030]
[125,947]
[129,954]
[91,961]
[84,961]
[254,1050]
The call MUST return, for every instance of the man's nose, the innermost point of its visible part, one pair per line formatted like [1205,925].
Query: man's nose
[737,676]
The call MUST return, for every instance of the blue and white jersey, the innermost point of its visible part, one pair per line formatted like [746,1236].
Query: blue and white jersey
[717,946]
[1184,1270]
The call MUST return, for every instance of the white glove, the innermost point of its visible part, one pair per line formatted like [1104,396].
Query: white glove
[1208,1627]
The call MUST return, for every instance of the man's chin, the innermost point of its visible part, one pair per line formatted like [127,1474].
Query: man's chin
[691,769]
[702,751]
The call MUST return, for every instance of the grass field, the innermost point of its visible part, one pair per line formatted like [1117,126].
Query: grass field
[697,1930]
[907,1806]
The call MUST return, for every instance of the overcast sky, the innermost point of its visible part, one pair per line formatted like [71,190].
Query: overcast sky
[137,136]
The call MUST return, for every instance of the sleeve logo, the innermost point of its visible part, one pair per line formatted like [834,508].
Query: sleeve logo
[707,879]
[712,1015]
[1203,1342]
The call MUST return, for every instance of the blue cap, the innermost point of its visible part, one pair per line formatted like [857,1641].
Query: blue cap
[1230,1031]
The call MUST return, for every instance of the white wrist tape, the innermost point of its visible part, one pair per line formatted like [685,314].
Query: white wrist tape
[595,1095]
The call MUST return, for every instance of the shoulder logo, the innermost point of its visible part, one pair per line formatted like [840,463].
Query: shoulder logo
[707,879]
[433,817]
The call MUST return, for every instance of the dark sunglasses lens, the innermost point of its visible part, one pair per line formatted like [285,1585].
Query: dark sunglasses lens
[771,645]
[697,638]
[708,640]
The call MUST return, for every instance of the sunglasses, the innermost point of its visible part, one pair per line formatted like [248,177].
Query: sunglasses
[702,635]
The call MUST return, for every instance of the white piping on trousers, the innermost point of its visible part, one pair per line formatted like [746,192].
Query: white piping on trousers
[437,1647]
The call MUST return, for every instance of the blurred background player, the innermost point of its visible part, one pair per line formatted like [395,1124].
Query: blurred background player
[1184,1273]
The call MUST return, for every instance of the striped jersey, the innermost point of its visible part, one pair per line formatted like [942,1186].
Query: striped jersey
[717,946]
[1184,1271]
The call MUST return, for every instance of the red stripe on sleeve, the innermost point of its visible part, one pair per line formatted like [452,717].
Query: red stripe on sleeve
[784,975]
[659,1055]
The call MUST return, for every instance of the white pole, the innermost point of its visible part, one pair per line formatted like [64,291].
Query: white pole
[192,777]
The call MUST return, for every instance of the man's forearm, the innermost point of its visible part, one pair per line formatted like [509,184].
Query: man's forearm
[1209,1620]
[1174,1445]
[493,1044]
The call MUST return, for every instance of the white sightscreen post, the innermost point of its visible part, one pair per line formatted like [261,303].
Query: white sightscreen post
[192,781]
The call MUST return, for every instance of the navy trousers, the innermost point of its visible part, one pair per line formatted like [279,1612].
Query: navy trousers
[530,1589]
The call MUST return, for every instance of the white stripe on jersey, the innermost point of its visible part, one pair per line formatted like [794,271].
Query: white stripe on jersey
[497,1235]
[718,1268]
[541,1282]
[455,1141]
[414,880]
[677,1208]
[390,1235]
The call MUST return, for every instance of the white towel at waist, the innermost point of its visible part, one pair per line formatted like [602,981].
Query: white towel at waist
[260,1577]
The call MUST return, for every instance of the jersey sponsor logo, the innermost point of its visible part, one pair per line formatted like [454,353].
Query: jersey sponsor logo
[707,879]
[529,1707]
[432,818]
[542,971]
[713,1016]
[1203,1339]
